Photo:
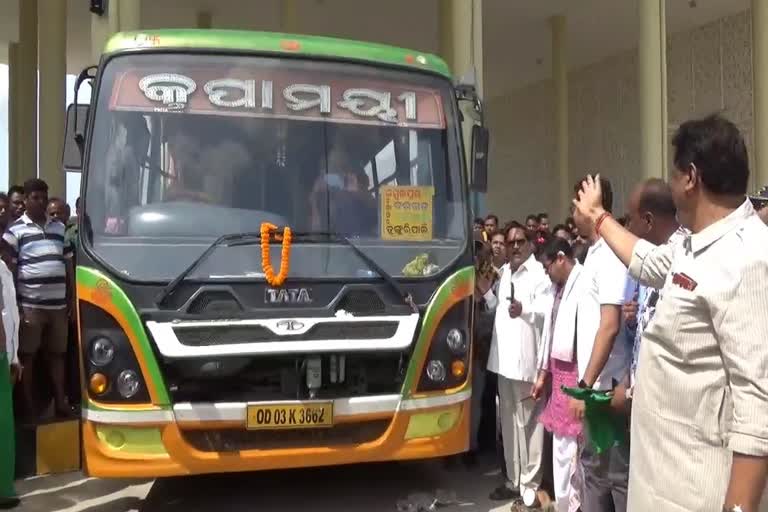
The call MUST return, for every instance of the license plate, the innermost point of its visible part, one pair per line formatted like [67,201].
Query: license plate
[303,415]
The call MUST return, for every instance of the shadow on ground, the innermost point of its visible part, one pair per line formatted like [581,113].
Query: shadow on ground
[368,487]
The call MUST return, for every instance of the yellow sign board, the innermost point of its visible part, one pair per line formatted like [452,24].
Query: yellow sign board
[406,213]
[294,415]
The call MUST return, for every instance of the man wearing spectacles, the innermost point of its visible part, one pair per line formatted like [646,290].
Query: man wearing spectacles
[523,299]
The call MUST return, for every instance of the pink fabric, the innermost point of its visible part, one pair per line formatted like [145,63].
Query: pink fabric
[114,226]
[556,417]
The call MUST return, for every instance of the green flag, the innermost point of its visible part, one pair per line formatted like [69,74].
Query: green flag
[604,427]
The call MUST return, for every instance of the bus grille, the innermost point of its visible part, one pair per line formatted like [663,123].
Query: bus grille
[362,303]
[232,334]
[233,440]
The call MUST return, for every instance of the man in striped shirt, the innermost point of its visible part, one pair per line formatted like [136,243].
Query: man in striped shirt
[44,285]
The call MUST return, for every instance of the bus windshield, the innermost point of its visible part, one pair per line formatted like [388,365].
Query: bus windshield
[185,148]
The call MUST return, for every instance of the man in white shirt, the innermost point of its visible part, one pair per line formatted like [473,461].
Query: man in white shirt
[700,405]
[603,356]
[514,354]
[10,372]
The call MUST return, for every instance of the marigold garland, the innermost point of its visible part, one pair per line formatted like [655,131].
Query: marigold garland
[269,273]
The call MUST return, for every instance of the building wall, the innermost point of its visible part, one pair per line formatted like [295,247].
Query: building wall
[709,69]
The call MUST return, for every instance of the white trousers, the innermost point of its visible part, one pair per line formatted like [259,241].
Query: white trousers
[564,453]
[522,433]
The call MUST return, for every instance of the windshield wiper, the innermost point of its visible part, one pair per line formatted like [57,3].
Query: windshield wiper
[386,276]
[241,238]
[235,239]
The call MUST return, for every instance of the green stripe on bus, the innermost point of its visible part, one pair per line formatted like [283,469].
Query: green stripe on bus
[462,279]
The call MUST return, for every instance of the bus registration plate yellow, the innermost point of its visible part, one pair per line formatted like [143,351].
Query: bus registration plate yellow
[298,415]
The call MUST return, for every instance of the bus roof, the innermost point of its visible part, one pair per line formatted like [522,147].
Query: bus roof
[270,42]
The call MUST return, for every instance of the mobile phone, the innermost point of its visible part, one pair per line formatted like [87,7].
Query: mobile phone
[511,292]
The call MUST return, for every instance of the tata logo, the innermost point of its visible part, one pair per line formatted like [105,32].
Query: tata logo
[287,296]
[289,325]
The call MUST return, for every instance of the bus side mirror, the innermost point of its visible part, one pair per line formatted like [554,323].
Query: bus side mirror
[479,176]
[74,137]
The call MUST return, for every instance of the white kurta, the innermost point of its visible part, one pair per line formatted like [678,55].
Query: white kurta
[10,313]
[702,381]
[516,341]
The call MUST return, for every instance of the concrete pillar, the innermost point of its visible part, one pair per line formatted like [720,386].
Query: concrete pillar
[478,198]
[13,116]
[130,15]
[120,16]
[477,45]
[560,82]
[204,19]
[461,48]
[289,16]
[52,23]
[25,96]
[102,28]
[652,90]
[456,26]
[760,89]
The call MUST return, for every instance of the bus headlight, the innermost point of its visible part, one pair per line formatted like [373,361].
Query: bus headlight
[456,341]
[436,371]
[447,362]
[128,383]
[102,351]
[112,373]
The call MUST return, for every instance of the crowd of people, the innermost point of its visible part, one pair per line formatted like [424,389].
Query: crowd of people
[654,320]
[38,352]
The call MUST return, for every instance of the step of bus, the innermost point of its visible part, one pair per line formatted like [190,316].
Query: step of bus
[47,448]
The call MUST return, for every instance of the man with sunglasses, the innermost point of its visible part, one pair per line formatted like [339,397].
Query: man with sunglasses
[523,299]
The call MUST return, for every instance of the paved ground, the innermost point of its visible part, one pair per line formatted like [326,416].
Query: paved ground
[370,488]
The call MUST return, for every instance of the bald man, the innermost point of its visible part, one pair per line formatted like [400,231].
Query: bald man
[653,217]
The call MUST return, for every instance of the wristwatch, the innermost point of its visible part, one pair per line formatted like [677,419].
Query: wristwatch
[735,508]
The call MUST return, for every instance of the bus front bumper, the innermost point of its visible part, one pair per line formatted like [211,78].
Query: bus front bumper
[212,438]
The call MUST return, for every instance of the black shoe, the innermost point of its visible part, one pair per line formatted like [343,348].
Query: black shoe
[9,503]
[503,493]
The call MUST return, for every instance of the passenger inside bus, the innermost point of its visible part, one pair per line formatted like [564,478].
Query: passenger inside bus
[208,156]
[340,200]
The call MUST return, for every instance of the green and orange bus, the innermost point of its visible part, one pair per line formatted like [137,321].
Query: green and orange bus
[275,261]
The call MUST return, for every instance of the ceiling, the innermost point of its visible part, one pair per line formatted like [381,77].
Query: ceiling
[516,34]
